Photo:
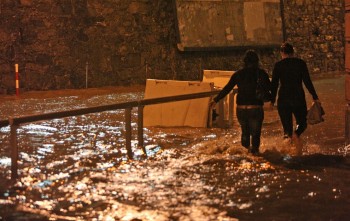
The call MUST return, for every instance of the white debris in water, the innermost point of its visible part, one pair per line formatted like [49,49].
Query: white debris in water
[5,129]
[244,205]
[46,204]
[6,202]
[263,189]
[55,163]
[59,176]
[222,145]
[344,150]
[81,185]
[312,194]
[36,127]
[5,161]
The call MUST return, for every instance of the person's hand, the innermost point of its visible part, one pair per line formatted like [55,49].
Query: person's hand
[269,106]
[317,101]
[212,104]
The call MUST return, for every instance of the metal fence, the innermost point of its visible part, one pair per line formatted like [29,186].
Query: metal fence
[15,122]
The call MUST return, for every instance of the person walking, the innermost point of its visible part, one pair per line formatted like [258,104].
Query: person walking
[250,112]
[288,77]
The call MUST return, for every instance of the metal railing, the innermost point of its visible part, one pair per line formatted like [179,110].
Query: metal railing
[15,122]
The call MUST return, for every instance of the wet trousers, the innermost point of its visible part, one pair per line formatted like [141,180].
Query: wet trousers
[251,122]
[286,112]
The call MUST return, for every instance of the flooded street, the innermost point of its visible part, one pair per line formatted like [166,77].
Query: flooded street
[76,168]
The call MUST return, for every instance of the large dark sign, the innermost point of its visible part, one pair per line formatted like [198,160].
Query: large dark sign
[215,24]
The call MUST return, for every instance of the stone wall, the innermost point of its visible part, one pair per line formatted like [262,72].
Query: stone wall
[316,28]
[57,43]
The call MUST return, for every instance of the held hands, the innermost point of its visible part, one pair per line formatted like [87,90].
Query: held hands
[212,104]
[271,106]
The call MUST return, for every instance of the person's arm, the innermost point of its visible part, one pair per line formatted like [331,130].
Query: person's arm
[227,89]
[274,83]
[267,81]
[307,81]
[268,85]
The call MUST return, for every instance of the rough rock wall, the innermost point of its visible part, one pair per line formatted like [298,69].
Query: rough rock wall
[57,43]
[316,28]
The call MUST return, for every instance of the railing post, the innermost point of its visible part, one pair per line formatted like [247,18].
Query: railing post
[221,117]
[140,128]
[347,125]
[128,131]
[231,108]
[86,74]
[14,152]
[17,79]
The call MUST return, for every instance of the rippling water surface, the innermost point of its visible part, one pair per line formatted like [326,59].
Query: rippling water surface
[76,168]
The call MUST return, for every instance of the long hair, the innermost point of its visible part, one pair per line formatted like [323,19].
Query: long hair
[251,59]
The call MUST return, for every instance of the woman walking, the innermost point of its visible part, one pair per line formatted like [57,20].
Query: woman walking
[250,113]
[288,77]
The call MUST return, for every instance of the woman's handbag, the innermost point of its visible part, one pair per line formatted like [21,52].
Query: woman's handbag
[315,113]
[262,89]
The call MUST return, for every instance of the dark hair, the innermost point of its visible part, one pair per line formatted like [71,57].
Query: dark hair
[251,59]
[287,48]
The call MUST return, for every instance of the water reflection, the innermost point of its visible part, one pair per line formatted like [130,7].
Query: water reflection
[77,168]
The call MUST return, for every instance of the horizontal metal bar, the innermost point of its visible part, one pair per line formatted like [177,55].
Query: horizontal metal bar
[177,98]
[76,112]
[96,109]
[230,47]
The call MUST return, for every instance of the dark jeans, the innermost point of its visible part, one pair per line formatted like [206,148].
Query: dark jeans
[251,122]
[286,112]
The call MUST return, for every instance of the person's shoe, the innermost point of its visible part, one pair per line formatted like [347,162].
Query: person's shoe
[248,148]
[255,151]
[285,136]
[298,144]
[286,140]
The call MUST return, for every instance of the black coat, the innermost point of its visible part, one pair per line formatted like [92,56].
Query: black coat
[288,75]
[246,80]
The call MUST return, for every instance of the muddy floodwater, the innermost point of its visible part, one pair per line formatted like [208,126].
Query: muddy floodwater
[77,168]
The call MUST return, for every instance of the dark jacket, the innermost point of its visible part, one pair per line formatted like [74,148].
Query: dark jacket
[246,80]
[288,75]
